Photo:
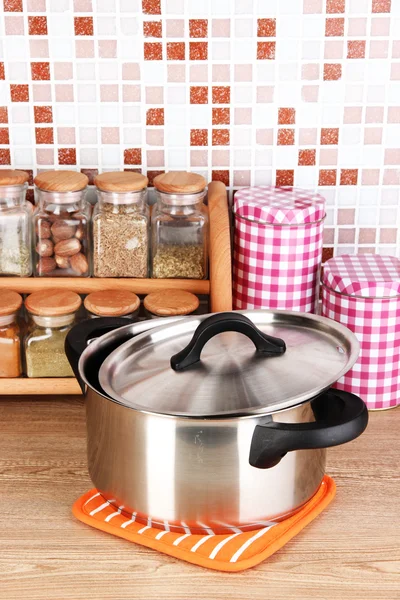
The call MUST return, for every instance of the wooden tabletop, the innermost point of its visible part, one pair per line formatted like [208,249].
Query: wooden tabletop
[352,550]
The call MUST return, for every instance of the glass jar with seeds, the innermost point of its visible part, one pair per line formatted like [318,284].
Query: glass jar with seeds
[61,225]
[51,315]
[10,334]
[179,227]
[121,226]
[15,224]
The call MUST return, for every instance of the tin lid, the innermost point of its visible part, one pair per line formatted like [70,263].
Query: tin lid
[179,182]
[52,303]
[61,181]
[10,302]
[279,205]
[169,303]
[121,181]
[112,303]
[151,372]
[13,177]
[365,275]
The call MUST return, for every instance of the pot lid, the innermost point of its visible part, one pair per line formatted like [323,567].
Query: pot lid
[204,366]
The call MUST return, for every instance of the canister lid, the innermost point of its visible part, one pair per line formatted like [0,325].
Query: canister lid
[13,177]
[61,181]
[279,205]
[112,303]
[365,275]
[180,182]
[10,302]
[121,181]
[52,303]
[169,303]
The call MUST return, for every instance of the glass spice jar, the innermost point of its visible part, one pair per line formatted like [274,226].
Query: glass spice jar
[170,303]
[15,224]
[121,225]
[179,227]
[10,335]
[61,224]
[112,303]
[51,315]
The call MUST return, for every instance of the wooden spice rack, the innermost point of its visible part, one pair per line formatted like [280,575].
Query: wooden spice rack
[218,287]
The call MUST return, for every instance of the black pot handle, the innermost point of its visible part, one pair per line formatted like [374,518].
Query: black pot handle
[79,336]
[219,323]
[340,418]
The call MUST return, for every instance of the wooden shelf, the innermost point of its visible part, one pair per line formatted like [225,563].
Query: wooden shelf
[39,387]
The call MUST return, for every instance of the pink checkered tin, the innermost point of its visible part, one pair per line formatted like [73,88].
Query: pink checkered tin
[363,293]
[277,248]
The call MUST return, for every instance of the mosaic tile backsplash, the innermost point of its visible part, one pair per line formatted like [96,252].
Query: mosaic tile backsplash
[248,92]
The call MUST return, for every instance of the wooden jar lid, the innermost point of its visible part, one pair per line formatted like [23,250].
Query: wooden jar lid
[180,182]
[13,177]
[169,303]
[53,303]
[121,181]
[112,303]
[10,302]
[61,181]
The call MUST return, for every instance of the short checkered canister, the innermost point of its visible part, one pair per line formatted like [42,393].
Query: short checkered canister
[277,248]
[363,293]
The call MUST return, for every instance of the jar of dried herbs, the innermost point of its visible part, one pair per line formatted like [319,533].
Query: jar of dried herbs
[121,226]
[112,303]
[15,224]
[51,315]
[10,343]
[61,224]
[179,227]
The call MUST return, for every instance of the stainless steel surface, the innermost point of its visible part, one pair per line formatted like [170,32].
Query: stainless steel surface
[231,379]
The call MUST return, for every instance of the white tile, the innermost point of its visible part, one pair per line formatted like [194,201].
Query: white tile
[132,135]
[89,157]
[220,50]
[61,48]
[20,113]
[131,114]
[64,113]
[20,136]
[177,159]
[86,71]
[87,114]
[110,155]
[109,114]
[22,157]
[106,25]
[17,71]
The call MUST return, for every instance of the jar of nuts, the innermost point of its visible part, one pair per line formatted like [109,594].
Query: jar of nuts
[61,225]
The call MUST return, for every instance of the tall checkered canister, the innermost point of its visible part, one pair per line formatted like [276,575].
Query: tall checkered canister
[277,248]
[363,293]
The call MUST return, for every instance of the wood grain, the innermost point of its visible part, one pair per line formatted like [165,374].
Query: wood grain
[350,552]
[61,181]
[39,387]
[179,182]
[219,248]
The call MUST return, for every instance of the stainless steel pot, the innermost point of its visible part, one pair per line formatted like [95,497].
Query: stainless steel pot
[192,430]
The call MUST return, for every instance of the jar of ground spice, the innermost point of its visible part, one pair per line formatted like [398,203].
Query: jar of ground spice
[170,303]
[121,225]
[61,225]
[52,314]
[179,227]
[112,303]
[15,224]
[10,344]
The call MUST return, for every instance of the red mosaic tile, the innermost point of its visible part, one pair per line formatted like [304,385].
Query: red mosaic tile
[284,177]
[285,137]
[265,50]
[151,175]
[332,72]
[221,116]
[329,136]
[3,114]
[13,6]
[198,28]
[40,71]
[335,6]
[176,50]
[221,94]
[44,135]
[30,196]
[4,135]
[286,116]
[327,177]
[133,156]
[152,51]
[83,25]
[334,27]
[220,137]
[199,137]
[356,49]
[198,94]
[198,50]
[2,73]
[266,27]
[152,29]
[43,114]
[348,176]
[155,116]
[19,93]
[37,25]
[220,175]
[90,174]
[151,7]
[5,158]
[307,157]
[327,254]
[381,6]
[67,156]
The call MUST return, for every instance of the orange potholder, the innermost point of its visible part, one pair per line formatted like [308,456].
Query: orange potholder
[227,552]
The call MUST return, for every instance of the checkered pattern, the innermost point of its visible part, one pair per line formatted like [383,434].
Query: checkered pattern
[277,266]
[375,321]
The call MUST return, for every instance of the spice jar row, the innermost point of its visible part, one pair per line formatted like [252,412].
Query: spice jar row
[62,237]
[32,343]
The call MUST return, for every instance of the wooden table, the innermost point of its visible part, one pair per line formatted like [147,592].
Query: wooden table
[350,552]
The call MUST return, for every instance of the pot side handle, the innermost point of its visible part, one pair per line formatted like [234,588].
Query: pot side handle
[340,418]
[219,323]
